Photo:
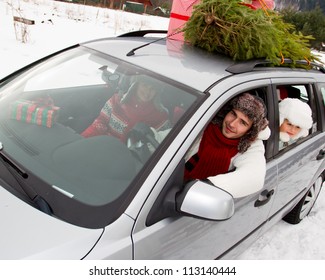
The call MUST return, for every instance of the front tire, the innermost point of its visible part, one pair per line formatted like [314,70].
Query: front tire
[303,208]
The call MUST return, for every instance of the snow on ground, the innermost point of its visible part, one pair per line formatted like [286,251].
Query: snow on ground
[58,25]
[304,241]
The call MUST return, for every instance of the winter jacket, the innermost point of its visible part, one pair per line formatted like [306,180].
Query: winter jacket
[117,117]
[246,172]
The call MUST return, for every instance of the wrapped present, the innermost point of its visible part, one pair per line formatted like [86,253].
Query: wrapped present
[41,112]
[180,13]
[259,4]
[263,4]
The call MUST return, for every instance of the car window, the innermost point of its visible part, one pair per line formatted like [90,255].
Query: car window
[297,114]
[68,74]
[191,156]
[83,125]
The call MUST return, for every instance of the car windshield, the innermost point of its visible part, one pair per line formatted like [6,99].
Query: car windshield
[78,122]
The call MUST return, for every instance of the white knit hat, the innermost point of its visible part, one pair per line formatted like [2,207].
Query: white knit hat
[298,113]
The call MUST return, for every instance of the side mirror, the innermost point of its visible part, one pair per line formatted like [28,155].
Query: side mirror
[203,200]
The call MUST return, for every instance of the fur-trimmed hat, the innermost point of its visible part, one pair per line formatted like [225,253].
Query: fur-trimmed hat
[254,108]
[298,113]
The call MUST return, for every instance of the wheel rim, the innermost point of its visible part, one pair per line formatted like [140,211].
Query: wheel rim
[311,198]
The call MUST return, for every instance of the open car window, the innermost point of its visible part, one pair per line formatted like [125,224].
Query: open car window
[297,114]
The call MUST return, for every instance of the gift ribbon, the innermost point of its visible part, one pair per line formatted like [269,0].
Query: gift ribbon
[179,16]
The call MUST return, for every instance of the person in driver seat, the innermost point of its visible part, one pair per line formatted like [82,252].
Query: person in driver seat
[141,104]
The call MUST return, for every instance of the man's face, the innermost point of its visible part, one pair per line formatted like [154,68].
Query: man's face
[235,124]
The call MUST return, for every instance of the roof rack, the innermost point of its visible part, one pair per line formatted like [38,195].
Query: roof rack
[142,33]
[249,65]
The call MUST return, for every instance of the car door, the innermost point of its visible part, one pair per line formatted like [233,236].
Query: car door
[183,237]
[300,163]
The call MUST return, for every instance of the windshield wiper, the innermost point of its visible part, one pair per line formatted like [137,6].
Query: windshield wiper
[40,202]
[19,170]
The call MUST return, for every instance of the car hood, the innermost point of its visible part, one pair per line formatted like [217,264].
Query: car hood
[27,233]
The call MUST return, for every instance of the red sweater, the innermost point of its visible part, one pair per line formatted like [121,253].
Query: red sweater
[117,118]
[214,155]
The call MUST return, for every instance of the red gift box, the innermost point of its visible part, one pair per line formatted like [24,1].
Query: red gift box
[41,112]
[180,13]
[266,4]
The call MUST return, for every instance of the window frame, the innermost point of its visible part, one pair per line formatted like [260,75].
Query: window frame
[320,104]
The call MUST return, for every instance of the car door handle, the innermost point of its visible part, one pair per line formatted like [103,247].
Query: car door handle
[265,194]
[321,154]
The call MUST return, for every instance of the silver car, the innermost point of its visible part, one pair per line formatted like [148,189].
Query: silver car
[64,196]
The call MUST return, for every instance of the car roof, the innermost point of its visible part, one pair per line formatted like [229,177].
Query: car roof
[180,61]
[170,58]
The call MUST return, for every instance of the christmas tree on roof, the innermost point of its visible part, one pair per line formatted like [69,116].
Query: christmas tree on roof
[237,30]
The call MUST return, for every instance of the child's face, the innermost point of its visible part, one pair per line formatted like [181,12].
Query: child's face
[145,92]
[289,128]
